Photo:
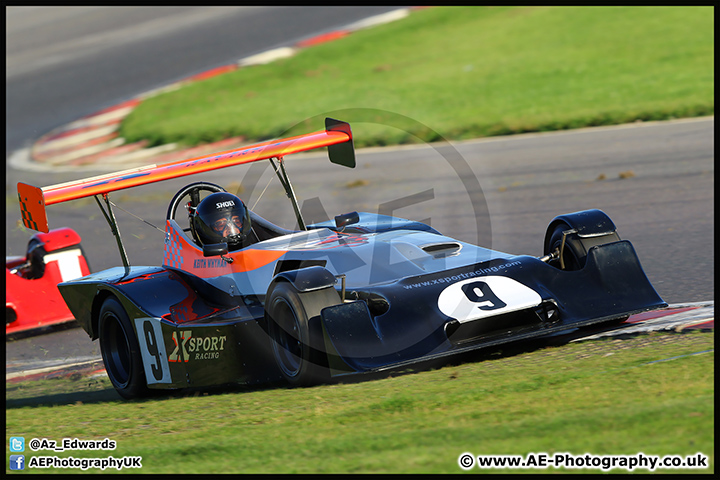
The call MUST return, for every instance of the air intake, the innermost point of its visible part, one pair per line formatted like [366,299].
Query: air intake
[440,250]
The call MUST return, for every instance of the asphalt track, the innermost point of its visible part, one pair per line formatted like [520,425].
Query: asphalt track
[63,63]
[655,180]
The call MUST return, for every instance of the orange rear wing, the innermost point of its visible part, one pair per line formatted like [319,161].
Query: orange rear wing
[337,136]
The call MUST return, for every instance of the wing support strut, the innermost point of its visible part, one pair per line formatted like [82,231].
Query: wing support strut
[110,217]
[285,181]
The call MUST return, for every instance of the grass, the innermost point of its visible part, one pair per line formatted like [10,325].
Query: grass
[459,72]
[600,397]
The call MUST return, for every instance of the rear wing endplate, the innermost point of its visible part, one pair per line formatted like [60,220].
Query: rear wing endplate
[337,136]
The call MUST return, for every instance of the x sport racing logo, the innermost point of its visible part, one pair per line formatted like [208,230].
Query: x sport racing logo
[185,348]
[200,348]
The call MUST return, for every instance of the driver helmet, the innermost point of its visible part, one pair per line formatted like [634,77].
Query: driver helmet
[221,218]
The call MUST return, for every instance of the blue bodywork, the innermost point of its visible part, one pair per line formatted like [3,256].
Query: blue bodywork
[399,280]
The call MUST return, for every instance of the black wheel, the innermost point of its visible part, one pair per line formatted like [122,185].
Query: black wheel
[572,256]
[36,258]
[121,351]
[293,320]
[573,253]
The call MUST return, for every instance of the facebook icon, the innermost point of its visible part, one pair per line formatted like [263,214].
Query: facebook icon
[17,462]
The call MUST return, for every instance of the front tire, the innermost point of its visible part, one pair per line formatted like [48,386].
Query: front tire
[293,320]
[573,253]
[121,351]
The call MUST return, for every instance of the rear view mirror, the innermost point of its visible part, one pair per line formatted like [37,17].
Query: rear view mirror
[215,249]
[346,219]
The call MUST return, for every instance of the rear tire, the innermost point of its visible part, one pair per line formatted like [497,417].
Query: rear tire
[121,351]
[293,320]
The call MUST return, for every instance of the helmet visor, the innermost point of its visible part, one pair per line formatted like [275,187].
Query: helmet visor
[227,226]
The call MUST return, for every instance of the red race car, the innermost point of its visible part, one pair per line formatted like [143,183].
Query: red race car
[32,299]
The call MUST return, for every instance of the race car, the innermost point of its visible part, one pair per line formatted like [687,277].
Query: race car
[239,299]
[32,299]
